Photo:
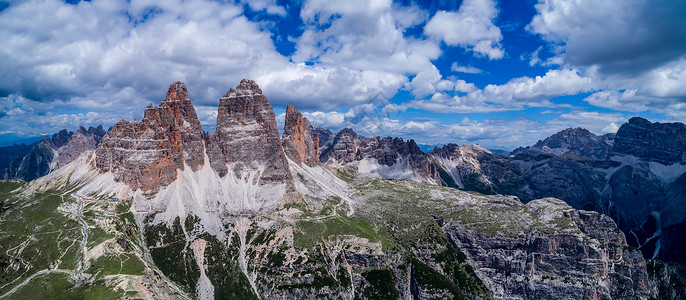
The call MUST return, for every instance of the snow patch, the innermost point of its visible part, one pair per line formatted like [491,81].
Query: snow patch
[665,173]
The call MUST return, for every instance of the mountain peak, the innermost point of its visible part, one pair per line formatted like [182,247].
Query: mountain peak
[248,86]
[247,135]
[578,141]
[639,121]
[169,137]
[176,91]
[290,109]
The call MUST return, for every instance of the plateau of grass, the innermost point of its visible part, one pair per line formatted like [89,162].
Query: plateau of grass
[312,232]
[34,235]
[125,263]
[60,286]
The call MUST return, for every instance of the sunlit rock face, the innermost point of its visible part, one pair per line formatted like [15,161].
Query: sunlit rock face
[146,154]
[247,138]
[299,143]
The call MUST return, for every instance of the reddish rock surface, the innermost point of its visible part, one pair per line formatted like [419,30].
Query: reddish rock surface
[145,154]
[247,138]
[299,143]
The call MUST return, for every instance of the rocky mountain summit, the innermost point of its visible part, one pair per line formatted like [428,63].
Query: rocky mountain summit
[386,157]
[325,136]
[299,142]
[578,141]
[247,138]
[53,152]
[146,154]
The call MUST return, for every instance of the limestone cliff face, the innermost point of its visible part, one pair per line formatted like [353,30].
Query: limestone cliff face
[146,154]
[555,252]
[247,138]
[638,183]
[386,157]
[299,143]
[80,141]
[342,149]
[660,142]
[325,136]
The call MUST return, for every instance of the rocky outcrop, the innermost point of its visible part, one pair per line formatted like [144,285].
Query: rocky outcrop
[660,142]
[342,149]
[578,141]
[299,142]
[247,139]
[53,152]
[146,154]
[386,157]
[549,251]
[80,141]
[638,183]
[325,136]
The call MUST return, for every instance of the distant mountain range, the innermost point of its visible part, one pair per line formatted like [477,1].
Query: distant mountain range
[247,213]
[28,162]
[636,176]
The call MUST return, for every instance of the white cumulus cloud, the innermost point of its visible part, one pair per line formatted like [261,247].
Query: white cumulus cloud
[470,27]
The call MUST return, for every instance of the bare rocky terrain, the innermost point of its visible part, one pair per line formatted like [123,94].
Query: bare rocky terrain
[161,210]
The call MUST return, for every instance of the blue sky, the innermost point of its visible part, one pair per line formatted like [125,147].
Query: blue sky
[499,73]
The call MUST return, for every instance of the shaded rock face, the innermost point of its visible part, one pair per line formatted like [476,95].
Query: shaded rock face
[588,260]
[145,154]
[578,141]
[247,138]
[342,149]
[639,183]
[578,182]
[660,142]
[325,136]
[299,142]
[391,151]
[387,157]
[10,153]
[35,164]
[52,153]
[80,141]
